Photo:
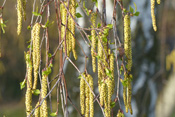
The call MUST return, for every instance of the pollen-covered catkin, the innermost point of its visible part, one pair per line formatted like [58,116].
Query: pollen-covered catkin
[28,99]
[129,94]
[127,41]
[82,95]
[36,51]
[125,92]
[73,12]
[110,92]
[43,109]
[63,20]
[87,92]
[153,15]
[102,93]
[93,48]
[91,97]
[19,15]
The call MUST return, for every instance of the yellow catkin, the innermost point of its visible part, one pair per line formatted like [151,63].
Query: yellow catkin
[127,41]
[19,15]
[110,92]
[129,93]
[43,109]
[69,35]
[106,100]
[73,12]
[87,92]
[153,15]
[158,1]
[99,76]
[91,97]
[28,99]
[120,114]
[37,110]
[102,93]
[124,93]
[36,51]
[63,19]
[82,95]
[24,9]
[93,48]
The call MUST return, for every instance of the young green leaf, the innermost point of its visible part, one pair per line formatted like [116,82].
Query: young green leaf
[53,114]
[36,92]
[110,26]
[78,15]
[135,7]
[137,13]
[131,9]
[112,104]
[22,84]
[36,14]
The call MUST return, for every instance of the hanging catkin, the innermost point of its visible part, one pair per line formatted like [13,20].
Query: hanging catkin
[28,99]
[82,95]
[19,15]
[36,52]
[37,110]
[63,20]
[24,9]
[87,92]
[43,109]
[93,48]
[129,93]
[91,97]
[127,41]
[153,15]
[73,12]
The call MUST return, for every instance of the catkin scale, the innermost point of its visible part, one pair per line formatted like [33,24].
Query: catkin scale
[153,15]
[127,41]
[28,96]
[19,15]
[93,48]
[36,51]
[43,109]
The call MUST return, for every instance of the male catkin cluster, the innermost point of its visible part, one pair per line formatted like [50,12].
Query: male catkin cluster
[36,51]
[43,108]
[86,96]
[24,9]
[19,15]
[93,48]
[127,41]
[153,15]
[70,34]
[28,99]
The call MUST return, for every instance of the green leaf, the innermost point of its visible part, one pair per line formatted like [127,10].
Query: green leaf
[98,25]
[36,92]
[110,26]
[76,5]
[79,77]
[78,15]
[53,114]
[137,13]
[28,46]
[131,9]
[22,84]
[135,7]
[36,14]
[124,10]
[49,55]
[29,27]
[112,104]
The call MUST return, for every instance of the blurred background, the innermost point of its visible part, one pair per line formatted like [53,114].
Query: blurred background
[153,60]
